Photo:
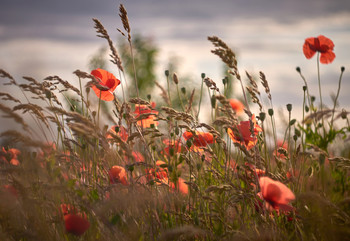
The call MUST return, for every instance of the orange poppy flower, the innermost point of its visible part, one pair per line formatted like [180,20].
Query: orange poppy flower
[107,80]
[245,136]
[182,186]
[117,174]
[200,139]
[237,106]
[122,132]
[322,45]
[150,115]
[276,194]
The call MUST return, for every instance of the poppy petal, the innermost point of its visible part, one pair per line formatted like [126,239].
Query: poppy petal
[324,41]
[327,57]
[309,51]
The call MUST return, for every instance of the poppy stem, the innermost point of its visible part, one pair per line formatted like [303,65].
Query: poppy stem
[98,110]
[200,96]
[81,95]
[336,97]
[179,96]
[319,89]
[168,84]
[134,68]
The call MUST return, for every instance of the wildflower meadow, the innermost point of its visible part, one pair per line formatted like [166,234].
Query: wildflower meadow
[99,158]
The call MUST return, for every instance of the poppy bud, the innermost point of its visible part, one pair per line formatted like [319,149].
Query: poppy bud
[149,97]
[48,94]
[224,81]
[295,137]
[203,75]
[131,168]
[306,108]
[343,114]
[183,90]
[175,79]
[87,90]
[342,69]
[213,101]
[262,116]
[289,107]
[166,73]
[292,122]
[304,88]
[298,69]
[270,111]
[177,130]
[188,143]
[313,98]
[297,132]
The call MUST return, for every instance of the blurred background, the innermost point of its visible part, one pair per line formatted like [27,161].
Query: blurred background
[41,38]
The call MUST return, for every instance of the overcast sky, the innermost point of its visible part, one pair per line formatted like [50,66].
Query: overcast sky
[48,37]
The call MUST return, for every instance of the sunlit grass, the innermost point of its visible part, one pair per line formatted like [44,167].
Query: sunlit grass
[88,165]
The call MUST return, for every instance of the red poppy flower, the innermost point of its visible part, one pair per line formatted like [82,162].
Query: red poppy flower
[75,222]
[107,80]
[117,174]
[10,156]
[237,106]
[118,131]
[281,144]
[174,145]
[160,173]
[138,156]
[276,194]
[322,45]
[244,135]
[182,187]
[11,190]
[149,115]
[251,169]
[200,139]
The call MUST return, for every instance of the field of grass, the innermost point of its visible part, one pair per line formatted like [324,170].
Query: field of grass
[86,164]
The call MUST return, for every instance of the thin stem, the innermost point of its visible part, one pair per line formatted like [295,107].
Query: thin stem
[319,89]
[200,98]
[302,134]
[81,95]
[336,97]
[134,68]
[179,96]
[98,110]
[168,84]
